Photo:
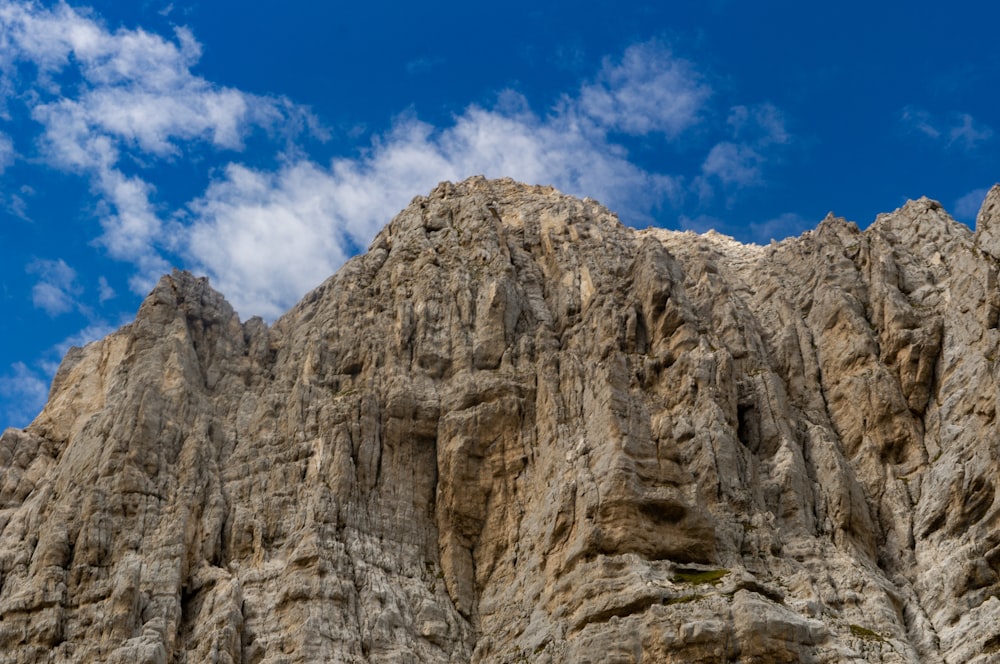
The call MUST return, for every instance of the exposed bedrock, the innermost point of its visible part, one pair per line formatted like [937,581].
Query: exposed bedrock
[517,430]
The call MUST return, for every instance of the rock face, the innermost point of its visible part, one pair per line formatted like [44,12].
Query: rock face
[516,430]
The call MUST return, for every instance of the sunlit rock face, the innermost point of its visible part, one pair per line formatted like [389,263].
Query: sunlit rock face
[517,430]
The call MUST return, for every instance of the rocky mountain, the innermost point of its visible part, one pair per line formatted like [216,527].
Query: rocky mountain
[518,431]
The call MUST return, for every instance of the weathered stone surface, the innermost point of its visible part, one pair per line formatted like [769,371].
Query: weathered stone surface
[516,430]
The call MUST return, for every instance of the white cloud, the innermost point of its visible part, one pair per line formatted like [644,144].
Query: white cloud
[733,164]
[967,133]
[920,121]
[104,290]
[553,150]
[967,207]
[23,393]
[24,390]
[132,229]
[954,131]
[152,120]
[266,238]
[92,332]
[49,363]
[761,125]
[756,134]
[56,289]
[137,95]
[6,152]
[15,203]
[51,299]
[648,90]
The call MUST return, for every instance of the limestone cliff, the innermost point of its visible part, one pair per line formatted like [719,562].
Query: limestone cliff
[517,430]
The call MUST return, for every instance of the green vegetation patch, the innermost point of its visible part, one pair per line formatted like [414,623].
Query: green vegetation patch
[698,576]
[865,633]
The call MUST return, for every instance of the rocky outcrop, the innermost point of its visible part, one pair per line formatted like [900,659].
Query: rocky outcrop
[516,430]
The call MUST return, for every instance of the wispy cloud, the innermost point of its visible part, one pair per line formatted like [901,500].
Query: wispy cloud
[761,125]
[22,394]
[953,130]
[15,203]
[648,90]
[967,133]
[265,238]
[92,332]
[24,389]
[733,164]
[133,231]
[6,152]
[137,95]
[251,230]
[56,290]
[104,290]
[755,133]
[967,207]
[919,121]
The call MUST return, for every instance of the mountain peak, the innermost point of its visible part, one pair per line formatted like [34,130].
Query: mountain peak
[517,426]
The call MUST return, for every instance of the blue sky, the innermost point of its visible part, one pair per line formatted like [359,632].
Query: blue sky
[262,144]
